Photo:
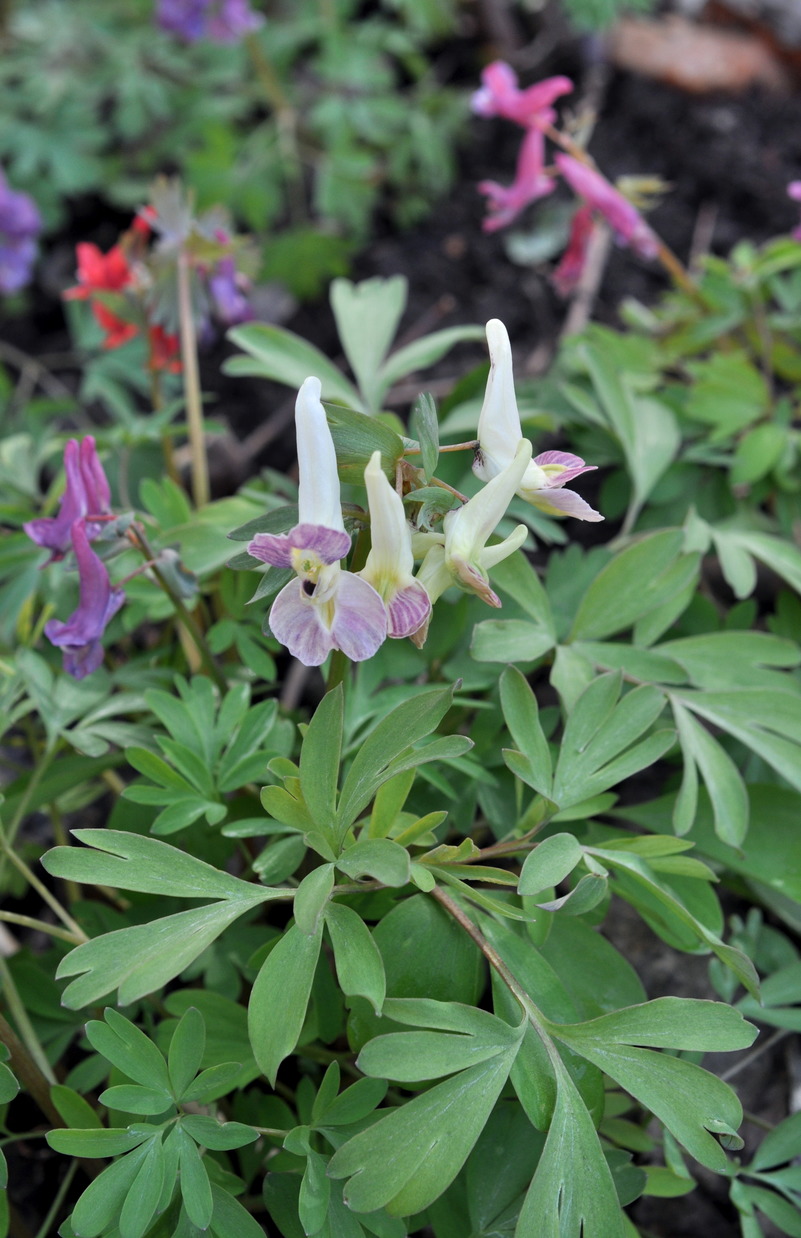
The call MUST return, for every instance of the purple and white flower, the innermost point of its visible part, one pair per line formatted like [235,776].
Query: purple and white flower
[500,433]
[390,563]
[86,495]
[461,556]
[324,608]
[80,637]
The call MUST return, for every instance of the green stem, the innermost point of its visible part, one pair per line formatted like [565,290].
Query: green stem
[337,670]
[40,926]
[55,1208]
[76,932]
[191,376]
[28,1059]
[24,804]
[186,617]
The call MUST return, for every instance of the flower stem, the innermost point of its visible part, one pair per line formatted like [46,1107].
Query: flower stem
[76,932]
[191,376]
[137,536]
[40,926]
[28,1059]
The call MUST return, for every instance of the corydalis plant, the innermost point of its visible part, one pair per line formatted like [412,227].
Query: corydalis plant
[532,109]
[326,608]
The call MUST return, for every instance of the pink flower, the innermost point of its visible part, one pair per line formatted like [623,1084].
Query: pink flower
[623,217]
[87,494]
[79,637]
[324,608]
[500,96]
[794,192]
[568,273]
[531,183]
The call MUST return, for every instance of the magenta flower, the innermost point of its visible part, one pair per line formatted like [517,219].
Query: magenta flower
[79,637]
[221,21]
[20,224]
[87,494]
[623,217]
[794,192]
[500,96]
[568,273]
[505,202]
[324,608]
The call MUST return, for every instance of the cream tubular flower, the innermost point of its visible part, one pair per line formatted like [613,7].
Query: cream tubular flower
[465,558]
[324,608]
[390,563]
[500,431]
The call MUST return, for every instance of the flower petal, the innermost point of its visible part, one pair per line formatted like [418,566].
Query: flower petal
[299,624]
[54,532]
[408,610]
[571,466]
[499,429]
[360,620]
[558,502]
[318,481]
[330,545]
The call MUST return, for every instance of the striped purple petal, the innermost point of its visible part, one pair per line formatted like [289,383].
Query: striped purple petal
[300,625]
[352,618]
[330,545]
[573,466]
[408,610]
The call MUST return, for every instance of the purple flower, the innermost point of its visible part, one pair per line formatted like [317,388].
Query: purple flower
[623,217]
[79,637]
[221,21]
[20,224]
[324,608]
[87,494]
[228,288]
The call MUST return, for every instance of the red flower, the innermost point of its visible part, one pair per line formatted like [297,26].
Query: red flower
[165,351]
[99,272]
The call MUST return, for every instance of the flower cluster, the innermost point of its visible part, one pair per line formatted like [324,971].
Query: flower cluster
[118,272]
[220,21]
[532,109]
[85,508]
[20,224]
[132,286]
[326,608]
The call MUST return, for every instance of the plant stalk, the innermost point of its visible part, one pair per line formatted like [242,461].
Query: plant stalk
[191,377]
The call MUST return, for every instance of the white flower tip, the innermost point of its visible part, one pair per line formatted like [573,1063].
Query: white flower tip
[310,389]
[497,340]
[374,466]
[523,454]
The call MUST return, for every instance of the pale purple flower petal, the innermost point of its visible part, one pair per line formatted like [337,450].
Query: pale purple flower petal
[98,492]
[360,620]
[570,466]
[329,545]
[558,502]
[623,217]
[79,637]
[351,618]
[228,288]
